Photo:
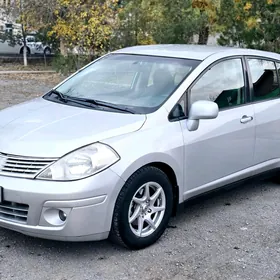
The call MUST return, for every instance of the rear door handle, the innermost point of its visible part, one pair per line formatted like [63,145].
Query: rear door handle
[246,119]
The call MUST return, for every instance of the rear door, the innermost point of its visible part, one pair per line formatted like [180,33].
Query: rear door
[265,95]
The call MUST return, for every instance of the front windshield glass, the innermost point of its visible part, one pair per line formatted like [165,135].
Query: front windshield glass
[136,82]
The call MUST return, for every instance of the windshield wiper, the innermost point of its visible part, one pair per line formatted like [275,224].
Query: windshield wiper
[103,104]
[89,102]
[113,106]
[67,98]
[59,94]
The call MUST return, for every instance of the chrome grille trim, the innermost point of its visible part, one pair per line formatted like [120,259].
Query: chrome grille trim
[24,167]
[14,212]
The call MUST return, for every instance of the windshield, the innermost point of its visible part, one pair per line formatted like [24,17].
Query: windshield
[136,82]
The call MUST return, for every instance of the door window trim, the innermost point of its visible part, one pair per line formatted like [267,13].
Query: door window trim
[211,66]
[251,86]
[187,92]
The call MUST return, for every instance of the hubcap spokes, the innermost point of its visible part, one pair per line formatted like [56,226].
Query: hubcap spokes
[147,209]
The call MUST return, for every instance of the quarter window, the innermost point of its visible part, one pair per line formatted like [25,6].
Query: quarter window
[264,79]
[223,84]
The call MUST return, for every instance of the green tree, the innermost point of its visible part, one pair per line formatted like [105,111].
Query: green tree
[208,11]
[254,24]
[157,21]
[84,25]
[134,24]
[177,22]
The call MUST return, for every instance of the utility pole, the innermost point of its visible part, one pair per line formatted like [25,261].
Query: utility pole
[23,35]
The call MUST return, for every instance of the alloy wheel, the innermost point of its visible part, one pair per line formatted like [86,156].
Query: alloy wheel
[147,209]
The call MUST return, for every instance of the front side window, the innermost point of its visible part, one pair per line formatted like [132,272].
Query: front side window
[223,83]
[264,79]
[30,39]
[137,82]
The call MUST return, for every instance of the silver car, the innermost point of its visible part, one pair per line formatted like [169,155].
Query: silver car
[114,149]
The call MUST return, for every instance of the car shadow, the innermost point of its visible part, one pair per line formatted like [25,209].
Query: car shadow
[222,197]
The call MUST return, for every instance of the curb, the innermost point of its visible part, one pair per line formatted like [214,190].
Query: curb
[27,72]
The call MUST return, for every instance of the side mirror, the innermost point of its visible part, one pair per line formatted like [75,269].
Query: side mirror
[201,110]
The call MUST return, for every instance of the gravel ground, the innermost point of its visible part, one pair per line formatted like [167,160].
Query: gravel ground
[18,88]
[20,67]
[230,235]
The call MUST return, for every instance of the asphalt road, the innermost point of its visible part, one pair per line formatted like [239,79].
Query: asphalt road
[229,235]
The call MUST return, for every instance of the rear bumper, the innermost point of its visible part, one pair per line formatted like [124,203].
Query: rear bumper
[88,205]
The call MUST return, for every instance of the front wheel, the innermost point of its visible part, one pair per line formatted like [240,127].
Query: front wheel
[143,209]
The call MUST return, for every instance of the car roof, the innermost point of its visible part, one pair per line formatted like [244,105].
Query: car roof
[198,52]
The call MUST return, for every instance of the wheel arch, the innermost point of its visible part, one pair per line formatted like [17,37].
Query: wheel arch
[165,162]
[47,48]
[118,231]
[28,49]
[168,170]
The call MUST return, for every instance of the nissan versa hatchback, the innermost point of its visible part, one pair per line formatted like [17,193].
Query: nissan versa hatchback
[115,148]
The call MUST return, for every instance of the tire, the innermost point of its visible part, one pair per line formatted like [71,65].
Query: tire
[125,230]
[47,52]
[276,179]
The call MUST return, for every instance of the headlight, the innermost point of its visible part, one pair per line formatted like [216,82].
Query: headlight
[81,163]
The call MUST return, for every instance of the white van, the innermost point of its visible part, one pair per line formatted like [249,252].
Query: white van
[38,47]
[6,48]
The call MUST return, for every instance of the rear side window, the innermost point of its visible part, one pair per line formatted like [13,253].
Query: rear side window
[264,79]
[223,83]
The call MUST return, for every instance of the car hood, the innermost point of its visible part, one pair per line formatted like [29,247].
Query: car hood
[41,128]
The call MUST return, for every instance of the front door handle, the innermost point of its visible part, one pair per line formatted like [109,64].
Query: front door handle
[246,119]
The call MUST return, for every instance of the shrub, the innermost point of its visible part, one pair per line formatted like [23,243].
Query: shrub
[70,63]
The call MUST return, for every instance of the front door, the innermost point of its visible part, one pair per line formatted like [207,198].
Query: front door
[221,150]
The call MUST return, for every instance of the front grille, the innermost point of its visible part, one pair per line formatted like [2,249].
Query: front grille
[25,167]
[14,212]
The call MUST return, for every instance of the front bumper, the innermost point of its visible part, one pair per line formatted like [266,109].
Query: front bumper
[88,205]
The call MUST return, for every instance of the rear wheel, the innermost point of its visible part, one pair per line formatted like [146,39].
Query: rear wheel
[143,209]
[47,52]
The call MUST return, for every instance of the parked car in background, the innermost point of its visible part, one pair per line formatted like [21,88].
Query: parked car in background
[38,47]
[6,48]
[14,30]
[113,150]
[33,47]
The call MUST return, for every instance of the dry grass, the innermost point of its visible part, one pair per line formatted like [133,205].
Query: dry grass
[51,78]
[20,67]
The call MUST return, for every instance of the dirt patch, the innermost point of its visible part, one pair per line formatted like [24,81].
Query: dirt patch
[21,67]
[15,89]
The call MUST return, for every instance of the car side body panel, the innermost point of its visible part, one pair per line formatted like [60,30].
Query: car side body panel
[161,144]
[219,148]
[267,115]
